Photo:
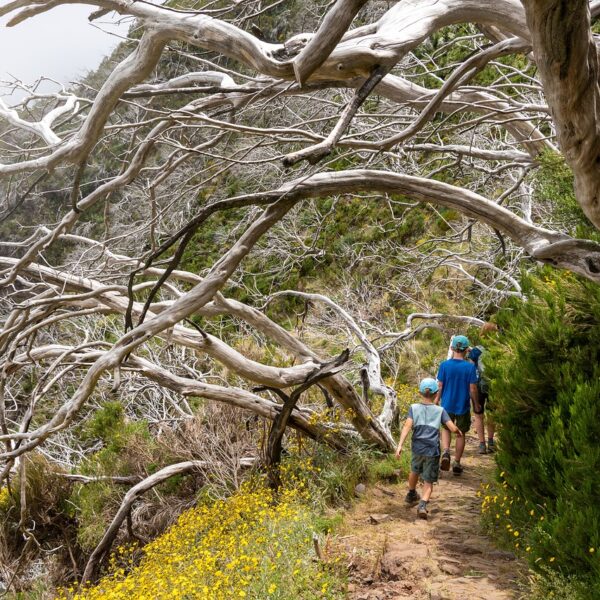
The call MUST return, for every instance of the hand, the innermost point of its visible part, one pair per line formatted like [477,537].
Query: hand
[459,433]
[398,451]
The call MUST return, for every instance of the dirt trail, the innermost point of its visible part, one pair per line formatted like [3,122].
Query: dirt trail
[395,555]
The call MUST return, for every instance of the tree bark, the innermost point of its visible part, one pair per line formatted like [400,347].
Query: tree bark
[567,58]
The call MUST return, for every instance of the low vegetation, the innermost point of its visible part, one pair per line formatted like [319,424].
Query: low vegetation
[251,545]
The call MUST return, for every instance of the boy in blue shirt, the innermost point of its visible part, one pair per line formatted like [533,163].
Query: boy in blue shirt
[457,379]
[425,419]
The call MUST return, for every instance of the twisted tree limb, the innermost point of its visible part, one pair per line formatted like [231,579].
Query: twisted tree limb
[373,367]
[280,423]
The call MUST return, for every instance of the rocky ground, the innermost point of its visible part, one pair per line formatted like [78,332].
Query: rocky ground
[392,554]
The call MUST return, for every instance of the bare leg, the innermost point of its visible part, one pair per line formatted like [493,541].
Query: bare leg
[446,439]
[460,447]
[491,427]
[427,489]
[413,479]
[480,428]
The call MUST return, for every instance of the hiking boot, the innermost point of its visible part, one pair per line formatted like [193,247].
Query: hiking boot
[482,448]
[491,447]
[422,510]
[412,497]
[457,468]
[445,463]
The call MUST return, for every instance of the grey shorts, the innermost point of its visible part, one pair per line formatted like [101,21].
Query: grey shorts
[428,467]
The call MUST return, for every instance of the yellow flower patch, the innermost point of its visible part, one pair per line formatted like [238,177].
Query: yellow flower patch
[232,549]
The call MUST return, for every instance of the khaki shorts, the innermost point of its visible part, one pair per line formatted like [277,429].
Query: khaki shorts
[463,422]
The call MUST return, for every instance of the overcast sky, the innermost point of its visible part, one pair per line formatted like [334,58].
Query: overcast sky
[60,44]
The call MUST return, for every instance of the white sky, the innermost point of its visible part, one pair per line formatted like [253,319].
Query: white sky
[60,44]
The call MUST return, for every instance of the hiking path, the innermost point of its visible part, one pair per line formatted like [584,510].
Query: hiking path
[393,555]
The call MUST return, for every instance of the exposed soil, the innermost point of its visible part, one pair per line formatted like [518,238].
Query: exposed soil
[393,554]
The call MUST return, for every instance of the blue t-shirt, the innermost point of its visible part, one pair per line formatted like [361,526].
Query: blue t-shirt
[427,419]
[456,375]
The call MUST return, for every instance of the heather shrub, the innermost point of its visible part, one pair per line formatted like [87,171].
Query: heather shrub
[545,387]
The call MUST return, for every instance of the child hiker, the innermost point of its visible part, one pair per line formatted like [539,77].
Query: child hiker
[424,419]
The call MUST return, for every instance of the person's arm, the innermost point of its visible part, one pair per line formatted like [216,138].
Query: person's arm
[453,428]
[403,435]
[440,381]
[474,393]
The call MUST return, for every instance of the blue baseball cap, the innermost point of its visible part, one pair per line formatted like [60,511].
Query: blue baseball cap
[428,384]
[460,342]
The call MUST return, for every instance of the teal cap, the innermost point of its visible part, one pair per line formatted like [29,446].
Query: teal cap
[460,342]
[428,384]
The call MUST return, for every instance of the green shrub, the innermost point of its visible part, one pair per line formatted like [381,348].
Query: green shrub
[128,449]
[388,468]
[551,584]
[554,183]
[545,386]
[335,477]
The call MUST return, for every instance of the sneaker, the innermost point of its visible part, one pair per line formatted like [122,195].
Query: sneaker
[482,448]
[412,497]
[491,446]
[445,463]
[422,510]
[457,468]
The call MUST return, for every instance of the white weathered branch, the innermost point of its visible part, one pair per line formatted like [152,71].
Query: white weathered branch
[192,79]
[501,274]
[106,300]
[373,370]
[133,69]
[302,419]
[130,497]
[330,32]
[482,153]
[459,76]
[341,390]
[97,195]
[578,255]
[41,128]
[86,479]
[399,30]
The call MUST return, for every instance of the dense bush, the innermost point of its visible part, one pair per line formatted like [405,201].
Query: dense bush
[545,386]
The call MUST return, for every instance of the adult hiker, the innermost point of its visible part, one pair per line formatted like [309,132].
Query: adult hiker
[457,379]
[424,418]
[476,355]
